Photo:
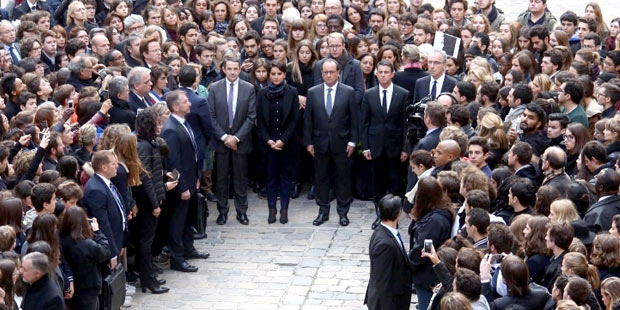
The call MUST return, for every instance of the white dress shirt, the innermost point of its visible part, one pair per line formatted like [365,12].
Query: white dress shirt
[439,85]
[390,91]
[121,209]
[234,104]
[333,95]
[395,233]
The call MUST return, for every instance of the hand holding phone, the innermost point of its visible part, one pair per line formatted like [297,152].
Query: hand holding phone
[428,244]
[175,174]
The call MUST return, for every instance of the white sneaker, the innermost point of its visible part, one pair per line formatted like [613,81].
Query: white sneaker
[128,301]
[129,290]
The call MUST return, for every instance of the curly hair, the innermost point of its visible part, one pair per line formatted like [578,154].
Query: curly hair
[605,251]
[111,134]
[146,124]
[535,241]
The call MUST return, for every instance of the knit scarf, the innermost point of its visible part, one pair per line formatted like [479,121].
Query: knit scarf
[275,91]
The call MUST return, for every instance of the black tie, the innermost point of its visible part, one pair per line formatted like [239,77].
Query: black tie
[385,107]
[434,90]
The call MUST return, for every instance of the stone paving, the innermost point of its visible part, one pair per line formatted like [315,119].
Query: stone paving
[296,266]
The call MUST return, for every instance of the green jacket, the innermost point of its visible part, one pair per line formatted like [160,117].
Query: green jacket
[548,20]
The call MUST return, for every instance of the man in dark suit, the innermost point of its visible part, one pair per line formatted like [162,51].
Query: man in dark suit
[103,201]
[139,88]
[42,292]
[383,132]
[438,81]
[184,158]
[600,214]
[413,70]
[271,10]
[27,7]
[331,123]
[350,68]
[232,104]
[389,286]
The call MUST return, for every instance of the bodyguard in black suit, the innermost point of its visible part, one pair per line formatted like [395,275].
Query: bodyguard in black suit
[331,123]
[438,81]
[232,105]
[184,158]
[389,286]
[600,214]
[104,201]
[383,132]
[139,87]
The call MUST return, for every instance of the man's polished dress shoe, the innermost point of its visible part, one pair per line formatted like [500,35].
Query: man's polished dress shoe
[310,195]
[199,236]
[160,281]
[376,223]
[196,254]
[155,289]
[322,218]
[344,220]
[296,190]
[221,219]
[243,219]
[184,267]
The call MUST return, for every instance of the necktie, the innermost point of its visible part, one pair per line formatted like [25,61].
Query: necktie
[402,245]
[385,107]
[146,102]
[117,198]
[231,97]
[434,90]
[15,57]
[191,136]
[328,104]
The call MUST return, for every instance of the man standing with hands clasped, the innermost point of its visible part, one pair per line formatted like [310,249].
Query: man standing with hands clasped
[330,135]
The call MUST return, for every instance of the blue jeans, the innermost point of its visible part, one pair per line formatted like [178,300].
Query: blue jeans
[424,297]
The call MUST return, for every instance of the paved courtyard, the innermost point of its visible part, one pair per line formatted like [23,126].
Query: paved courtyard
[263,266]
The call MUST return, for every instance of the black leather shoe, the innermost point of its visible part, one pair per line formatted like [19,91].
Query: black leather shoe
[184,267]
[243,219]
[272,216]
[155,289]
[376,223]
[322,218]
[199,236]
[196,254]
[161,281]
[211,197]
[310,195]
[296,190]
[344,220]
[283,215]
[221,219]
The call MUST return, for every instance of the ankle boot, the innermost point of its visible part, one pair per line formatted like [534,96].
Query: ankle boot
[272,216]
[283,215]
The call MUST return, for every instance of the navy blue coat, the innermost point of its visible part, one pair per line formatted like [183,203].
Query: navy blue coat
[199,119]
[182,156]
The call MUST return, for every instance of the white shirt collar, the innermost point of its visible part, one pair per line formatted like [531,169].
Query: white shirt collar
[333,87]
[390,89]
[391,229]
[236,82]
[105,180]
[439,81]
[604,197]
[178,118]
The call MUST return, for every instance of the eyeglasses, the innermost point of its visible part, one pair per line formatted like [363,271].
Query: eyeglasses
[135,28]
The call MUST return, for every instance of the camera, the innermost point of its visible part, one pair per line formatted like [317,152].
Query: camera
[415,118]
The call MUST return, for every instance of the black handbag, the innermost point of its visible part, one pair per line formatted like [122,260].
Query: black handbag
[202,212]
[113,292]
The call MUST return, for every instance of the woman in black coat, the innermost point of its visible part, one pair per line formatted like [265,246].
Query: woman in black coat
[85,247]
[433,218]
[277,111]
[149,196]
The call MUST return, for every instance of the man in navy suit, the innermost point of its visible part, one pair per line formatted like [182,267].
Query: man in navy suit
[383,132]
[438,81]
[183,157]
[350,68]
[139,88]
[199,118]
[330,134]
[103,201]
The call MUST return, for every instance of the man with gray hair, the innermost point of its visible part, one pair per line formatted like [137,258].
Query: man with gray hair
[413,70]
[139,86]
[134,24]
[121,113]
[82,72]
[41,291]
[438,81]
[7,37]
[133,58]
[334,7]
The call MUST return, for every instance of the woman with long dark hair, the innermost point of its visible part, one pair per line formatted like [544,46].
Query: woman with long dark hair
[535,247]
[433,216]
[277,112]
[11,214]
[84,247]
[149,196]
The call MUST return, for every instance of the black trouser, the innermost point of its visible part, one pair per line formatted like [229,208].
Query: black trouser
[325,163]
[280,166]
[84,302]
[180,234]
[239,162]
[386,176]
[147,224]
[161,232]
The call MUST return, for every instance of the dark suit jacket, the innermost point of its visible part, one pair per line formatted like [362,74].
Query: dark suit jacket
[600,214]
[381,132]
[121,113]
[43,295]
[200,120]
[422,87]
[389,286]
[243,121]
[289,114]
[99,202]
[257,24]
[331,134]
[182,156]
[407,79]
[427,143]
[350,75]
[49,62]
[135,103]
[24,8]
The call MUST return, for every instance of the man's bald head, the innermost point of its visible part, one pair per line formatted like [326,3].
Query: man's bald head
[445,152]
[555,157]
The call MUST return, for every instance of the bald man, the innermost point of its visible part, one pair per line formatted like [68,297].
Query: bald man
[553,161]
[444,154]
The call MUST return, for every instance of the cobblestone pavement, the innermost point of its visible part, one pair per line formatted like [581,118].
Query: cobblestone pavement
[262,266]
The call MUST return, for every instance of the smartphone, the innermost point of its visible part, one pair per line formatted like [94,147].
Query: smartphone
[43,125]
[105,95]
[175,174]
[428,245]
[70,104]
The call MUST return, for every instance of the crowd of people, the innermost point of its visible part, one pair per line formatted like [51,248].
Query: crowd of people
[121,119]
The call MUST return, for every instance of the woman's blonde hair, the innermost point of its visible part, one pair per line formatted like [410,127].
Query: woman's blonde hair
[578,265]
[544,81]
[86,135]
[111,134]
[611,288]
[564,211]
[72,6]
[317,18]
[492,128]
[126,148]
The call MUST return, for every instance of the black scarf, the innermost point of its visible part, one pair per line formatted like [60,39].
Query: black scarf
[342,60]
[275,91]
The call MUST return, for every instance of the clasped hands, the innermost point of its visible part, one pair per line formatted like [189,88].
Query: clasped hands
[276,145]
[231,142]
